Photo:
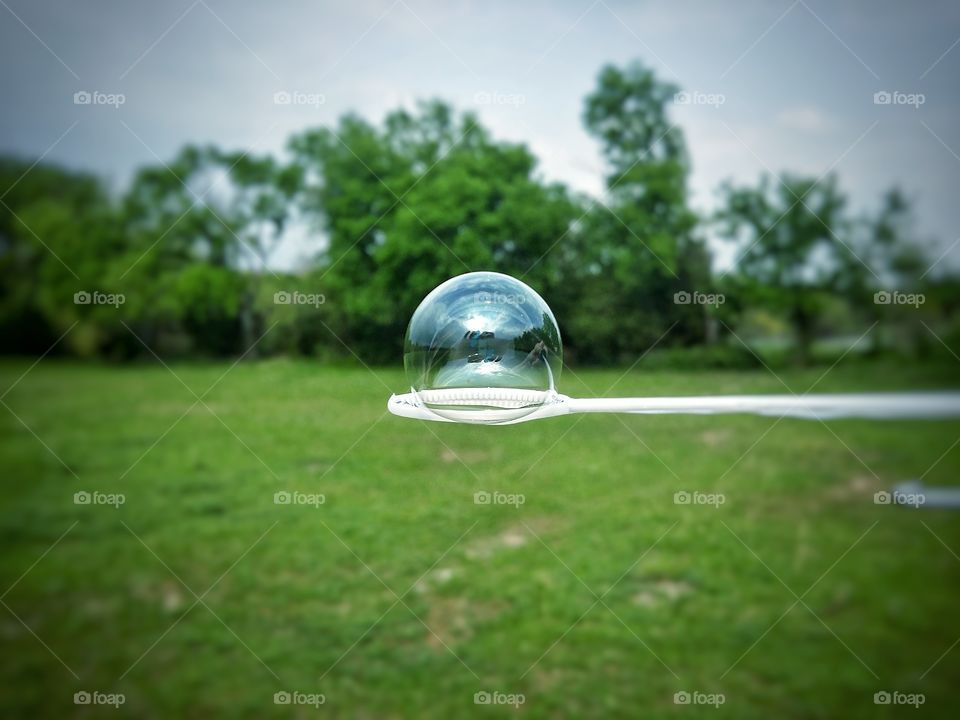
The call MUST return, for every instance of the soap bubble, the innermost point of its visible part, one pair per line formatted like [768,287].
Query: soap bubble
[484,348]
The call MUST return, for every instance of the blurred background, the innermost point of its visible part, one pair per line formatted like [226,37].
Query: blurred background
[216,220]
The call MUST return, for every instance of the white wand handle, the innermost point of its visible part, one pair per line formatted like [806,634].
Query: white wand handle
[875,406]
[913,405]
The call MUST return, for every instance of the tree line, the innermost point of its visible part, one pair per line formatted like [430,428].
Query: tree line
[179,263]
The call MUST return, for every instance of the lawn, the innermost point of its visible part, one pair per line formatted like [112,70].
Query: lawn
[582,589]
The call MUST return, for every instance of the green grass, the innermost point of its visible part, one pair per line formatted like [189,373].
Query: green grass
[500,598]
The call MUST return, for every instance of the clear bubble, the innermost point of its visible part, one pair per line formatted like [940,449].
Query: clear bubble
[484,348]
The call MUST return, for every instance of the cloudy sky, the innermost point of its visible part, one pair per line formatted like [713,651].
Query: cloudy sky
[775,86]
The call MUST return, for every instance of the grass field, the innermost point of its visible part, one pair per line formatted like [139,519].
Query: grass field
[400,596]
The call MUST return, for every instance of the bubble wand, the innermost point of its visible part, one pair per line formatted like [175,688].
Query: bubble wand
[484,348]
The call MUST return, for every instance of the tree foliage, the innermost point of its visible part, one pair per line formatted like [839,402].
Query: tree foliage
[400,206]
[406,206]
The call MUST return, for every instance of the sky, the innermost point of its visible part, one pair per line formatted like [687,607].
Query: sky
[776,86]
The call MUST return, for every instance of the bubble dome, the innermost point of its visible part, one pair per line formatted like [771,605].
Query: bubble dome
[483,348]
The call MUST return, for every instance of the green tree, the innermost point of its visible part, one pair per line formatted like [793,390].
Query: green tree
[201,231]
[885,256]
[56,228]
[792,249]
[636,250]
[406,206]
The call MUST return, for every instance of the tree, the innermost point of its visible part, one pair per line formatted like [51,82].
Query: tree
[884,257]
[638,249]
[201,230]
[792,249]
[406,206]
[56,228]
